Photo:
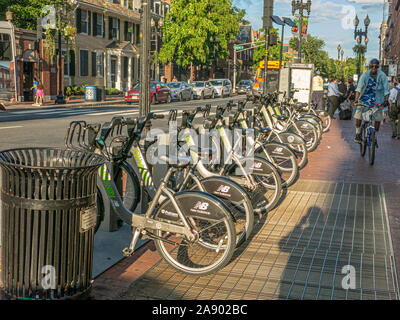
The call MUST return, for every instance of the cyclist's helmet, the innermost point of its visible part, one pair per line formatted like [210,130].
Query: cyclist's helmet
[372,62]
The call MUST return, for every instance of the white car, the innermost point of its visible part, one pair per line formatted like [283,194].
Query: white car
[203,89]
[223,87]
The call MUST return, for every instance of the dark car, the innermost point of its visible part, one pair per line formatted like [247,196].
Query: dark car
[159,92]
[244,86]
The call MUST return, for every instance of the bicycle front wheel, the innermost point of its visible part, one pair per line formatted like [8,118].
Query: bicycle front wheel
[371,147]
[215,234]
[363,144]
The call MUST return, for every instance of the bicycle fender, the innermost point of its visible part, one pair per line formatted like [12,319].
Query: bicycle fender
[193,204]
[223,187]
[276,149]
[289,138]
[256,165]
[304,125]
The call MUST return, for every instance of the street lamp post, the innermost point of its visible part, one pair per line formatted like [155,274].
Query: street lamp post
[338,51]
[60,98]
[358,35]
[144,103]
[215,44]
[300,6]
[157,23]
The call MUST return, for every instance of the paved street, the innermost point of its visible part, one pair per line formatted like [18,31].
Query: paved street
[47,126]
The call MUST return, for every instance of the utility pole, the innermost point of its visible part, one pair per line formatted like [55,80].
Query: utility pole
[144,103]
[234,68]
[267,25]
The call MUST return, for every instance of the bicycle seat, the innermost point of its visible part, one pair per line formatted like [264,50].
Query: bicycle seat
[280,117]
[176,161]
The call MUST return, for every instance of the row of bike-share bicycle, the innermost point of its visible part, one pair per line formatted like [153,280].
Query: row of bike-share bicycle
[203,208]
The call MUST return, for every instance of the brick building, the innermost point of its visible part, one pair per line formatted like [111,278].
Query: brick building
[391,43]
[107,42]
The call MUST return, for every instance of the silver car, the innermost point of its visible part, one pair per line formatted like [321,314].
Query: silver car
[203,89]
[180,91]
[223,87]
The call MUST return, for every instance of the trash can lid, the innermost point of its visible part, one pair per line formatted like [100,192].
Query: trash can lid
[50,158]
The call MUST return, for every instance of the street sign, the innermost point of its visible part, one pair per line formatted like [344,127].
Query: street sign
[239,47]
[272,64]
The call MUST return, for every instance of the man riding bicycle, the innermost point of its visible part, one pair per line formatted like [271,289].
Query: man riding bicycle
[373,89]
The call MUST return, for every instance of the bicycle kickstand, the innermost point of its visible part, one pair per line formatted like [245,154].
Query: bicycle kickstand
[127,252]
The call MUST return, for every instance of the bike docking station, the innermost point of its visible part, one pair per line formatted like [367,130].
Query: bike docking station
[112,235]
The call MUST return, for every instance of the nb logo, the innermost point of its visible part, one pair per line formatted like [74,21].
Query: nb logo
[257,165]
[278,150]
[224,189]
[201,205]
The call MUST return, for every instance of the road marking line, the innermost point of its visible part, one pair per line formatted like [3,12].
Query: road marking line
[11,127]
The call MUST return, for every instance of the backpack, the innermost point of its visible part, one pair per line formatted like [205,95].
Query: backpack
[395,109]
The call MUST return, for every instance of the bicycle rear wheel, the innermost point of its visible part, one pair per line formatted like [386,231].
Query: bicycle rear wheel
[371,147]
[215,234]
[236,199]
[266,189]
[283,158]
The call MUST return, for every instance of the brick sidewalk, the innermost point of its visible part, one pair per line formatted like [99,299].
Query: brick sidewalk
[340,212]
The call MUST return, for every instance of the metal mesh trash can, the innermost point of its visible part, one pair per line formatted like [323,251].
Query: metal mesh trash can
[48,212]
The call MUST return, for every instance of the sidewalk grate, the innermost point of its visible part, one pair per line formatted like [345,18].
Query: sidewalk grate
[298,252]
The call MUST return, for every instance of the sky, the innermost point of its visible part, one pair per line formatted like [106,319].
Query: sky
[330,20]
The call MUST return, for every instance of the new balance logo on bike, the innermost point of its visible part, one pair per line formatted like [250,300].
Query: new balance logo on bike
[201,207]
[278,150]
[223,189]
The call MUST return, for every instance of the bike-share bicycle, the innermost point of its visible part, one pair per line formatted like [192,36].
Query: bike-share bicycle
[368,134]
[192,230]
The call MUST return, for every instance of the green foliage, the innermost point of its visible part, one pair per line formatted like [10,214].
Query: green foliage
[273,51]
[112,92]
[192,27]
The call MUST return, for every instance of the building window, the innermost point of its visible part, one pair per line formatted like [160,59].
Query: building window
[100,64]
[84,63]
[84,21]
[128,31]
[94,64]
[67,59]
[126,70]
[114,28]
[98,24]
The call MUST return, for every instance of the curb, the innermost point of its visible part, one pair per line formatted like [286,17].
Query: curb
[70,105]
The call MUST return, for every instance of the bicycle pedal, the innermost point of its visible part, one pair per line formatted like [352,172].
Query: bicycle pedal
[127,252]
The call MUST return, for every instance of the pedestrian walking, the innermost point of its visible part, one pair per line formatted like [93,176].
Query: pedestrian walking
[318,89]
[343,91]
[373,88]
[333,97]
[174,79]
[34,88]
[40,93]
[394,108]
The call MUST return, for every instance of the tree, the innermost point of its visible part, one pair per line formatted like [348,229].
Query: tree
[273,51]
[192,27]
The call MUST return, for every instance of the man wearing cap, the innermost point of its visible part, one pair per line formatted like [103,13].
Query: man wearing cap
[373,89]
[318,89]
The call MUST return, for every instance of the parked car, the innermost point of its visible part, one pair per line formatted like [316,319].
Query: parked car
[203,89]
[180,91]
[244,86]
[159,92]
[223,87]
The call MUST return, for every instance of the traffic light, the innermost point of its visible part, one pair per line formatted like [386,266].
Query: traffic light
[268,12]
[273,40]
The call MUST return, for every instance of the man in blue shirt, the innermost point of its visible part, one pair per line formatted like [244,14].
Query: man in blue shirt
[333,97]
[373,89]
